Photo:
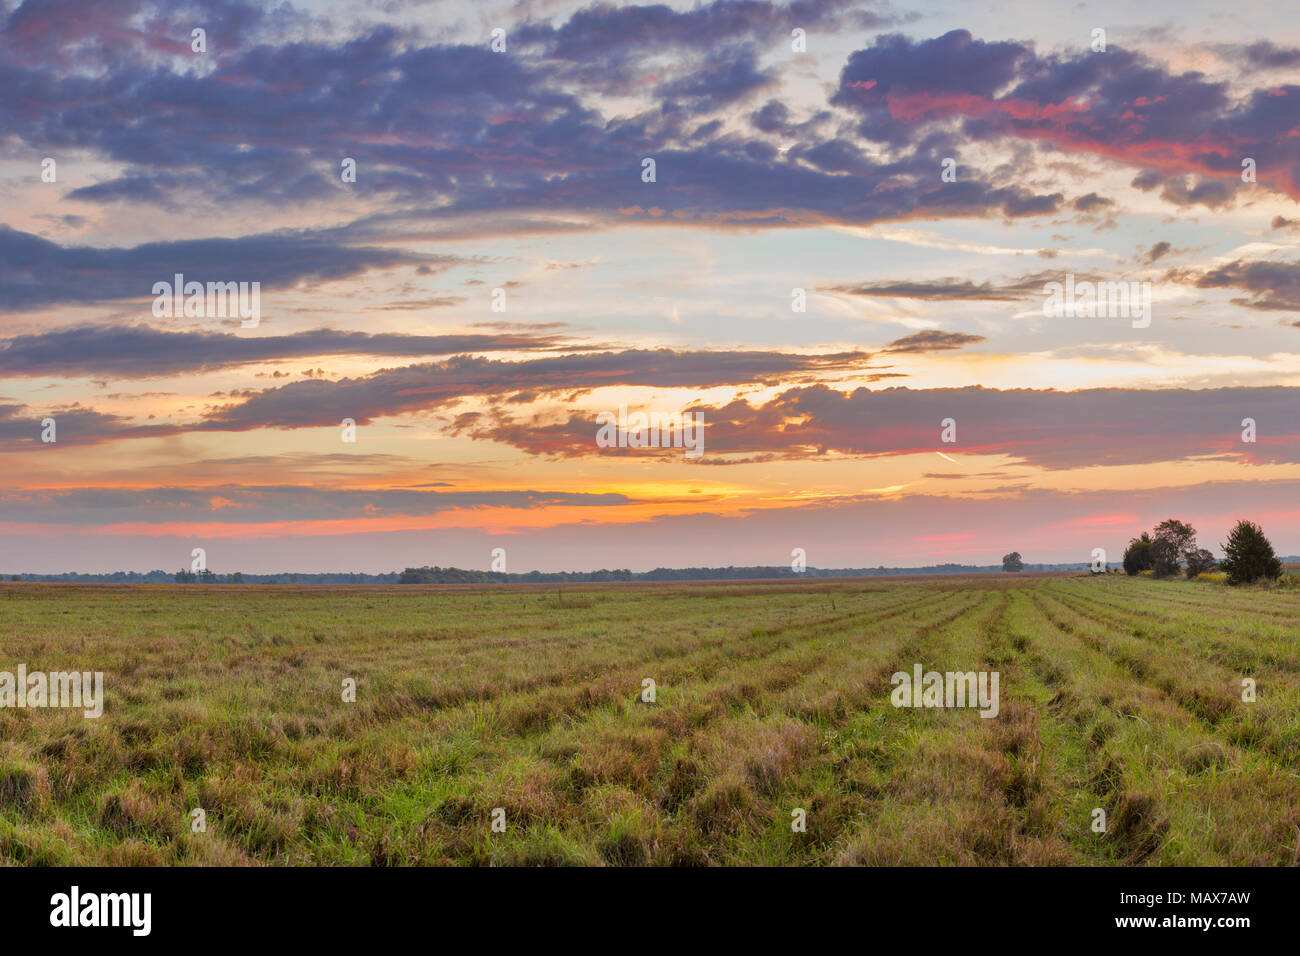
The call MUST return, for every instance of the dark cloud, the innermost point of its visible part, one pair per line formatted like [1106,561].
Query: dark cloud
[107,33]
[145,352]
[1045,428]
[610,33]
[1264,55]
[459,132]
[721,83]
[1147,180]
[953,289]
[35,272]
[437,385]
[1269,286]
[952,63]
[1121,105]
[22,426]
[1214,193]
[933,340]
[1092,202]
[1156,251]
[936,290]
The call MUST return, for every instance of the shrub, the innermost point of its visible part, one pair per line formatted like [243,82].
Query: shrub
[1199,562]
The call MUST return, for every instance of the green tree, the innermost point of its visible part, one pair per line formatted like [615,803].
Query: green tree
[1137,556]
[1248,556]
[1012,562]
[1170,544]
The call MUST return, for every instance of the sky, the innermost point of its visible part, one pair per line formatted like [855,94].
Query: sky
[826,230]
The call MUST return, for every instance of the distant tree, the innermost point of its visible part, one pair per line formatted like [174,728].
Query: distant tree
[1248,556]
[237,577]
[1012,562]
[185,577]
[1137,556]
[1172,541]
[15,577]
[1199,561]
[207,576]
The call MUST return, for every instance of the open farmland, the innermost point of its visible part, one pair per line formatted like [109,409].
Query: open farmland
[1116,693]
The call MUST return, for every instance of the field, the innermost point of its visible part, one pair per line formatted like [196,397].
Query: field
[1116,693]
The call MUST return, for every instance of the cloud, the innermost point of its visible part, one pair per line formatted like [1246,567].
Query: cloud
[1092,202]
[124,353]
[939,290]
[456,132]
[413,388]
[933,340]
[35,272]
[1264,55]
[1120,105]
[1050,429]
[258,504]
[21,427]
[954,289]
[1270,286]
[609,33]
[1157,251]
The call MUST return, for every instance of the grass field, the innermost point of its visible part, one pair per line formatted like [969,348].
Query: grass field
[1116,693]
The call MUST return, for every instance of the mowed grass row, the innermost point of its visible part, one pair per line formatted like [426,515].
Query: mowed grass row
[771,701]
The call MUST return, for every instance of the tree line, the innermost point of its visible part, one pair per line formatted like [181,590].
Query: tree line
[437,575]
[1171,548]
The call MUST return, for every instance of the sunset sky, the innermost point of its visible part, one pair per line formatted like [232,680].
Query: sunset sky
[522,171]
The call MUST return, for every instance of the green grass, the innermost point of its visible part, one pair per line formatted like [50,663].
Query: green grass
[1116,693]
